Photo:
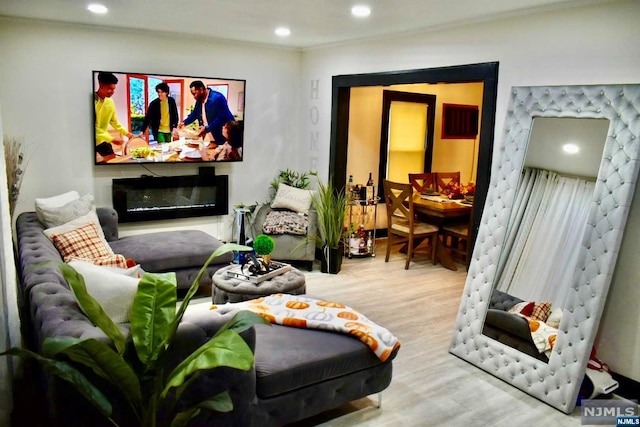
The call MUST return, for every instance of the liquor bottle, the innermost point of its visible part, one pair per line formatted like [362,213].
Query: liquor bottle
[370,190]
[369,244]
[350,185]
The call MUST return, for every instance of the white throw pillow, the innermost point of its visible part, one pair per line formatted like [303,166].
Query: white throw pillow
[54,217]
[292,198]
[113,289]
[92,216]
[54,202]
[554,318]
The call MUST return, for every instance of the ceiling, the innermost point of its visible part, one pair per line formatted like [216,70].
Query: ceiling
[312,22]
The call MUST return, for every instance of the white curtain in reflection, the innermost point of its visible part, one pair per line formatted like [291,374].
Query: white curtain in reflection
[545,229]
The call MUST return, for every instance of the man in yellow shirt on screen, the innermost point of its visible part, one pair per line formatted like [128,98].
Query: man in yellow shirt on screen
[106,115]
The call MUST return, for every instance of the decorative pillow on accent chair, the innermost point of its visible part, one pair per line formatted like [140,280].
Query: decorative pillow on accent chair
[114,290]
[292,198]
[285,222]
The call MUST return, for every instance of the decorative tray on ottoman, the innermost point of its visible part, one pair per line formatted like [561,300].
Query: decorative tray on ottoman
[244,272]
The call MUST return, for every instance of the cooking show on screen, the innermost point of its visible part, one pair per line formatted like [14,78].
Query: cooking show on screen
[152,118]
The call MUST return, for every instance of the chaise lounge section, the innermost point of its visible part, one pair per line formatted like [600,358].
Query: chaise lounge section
[297,373]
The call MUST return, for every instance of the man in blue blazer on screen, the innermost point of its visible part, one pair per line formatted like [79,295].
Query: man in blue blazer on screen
[211,110]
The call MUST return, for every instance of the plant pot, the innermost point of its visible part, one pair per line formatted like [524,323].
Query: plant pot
[331,259]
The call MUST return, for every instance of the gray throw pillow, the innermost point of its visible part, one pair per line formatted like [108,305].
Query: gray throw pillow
[54,217]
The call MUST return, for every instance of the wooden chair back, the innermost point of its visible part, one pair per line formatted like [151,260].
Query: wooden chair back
[444,178]
[399,202]
[423,182]
[401,221]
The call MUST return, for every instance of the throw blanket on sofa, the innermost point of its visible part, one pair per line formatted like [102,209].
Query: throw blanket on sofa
[304,312]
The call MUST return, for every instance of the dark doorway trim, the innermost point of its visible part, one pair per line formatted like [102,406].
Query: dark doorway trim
[388,96]
[484,72]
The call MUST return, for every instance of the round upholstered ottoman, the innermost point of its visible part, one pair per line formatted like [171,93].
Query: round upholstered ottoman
[231,289]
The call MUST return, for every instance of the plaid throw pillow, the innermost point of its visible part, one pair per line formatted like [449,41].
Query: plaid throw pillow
[541,311]
[116,260]
[82,242]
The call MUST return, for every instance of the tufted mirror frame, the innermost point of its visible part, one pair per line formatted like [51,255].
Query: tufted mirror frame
[558,381]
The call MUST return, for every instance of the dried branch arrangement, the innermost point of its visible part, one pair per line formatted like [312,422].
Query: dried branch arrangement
[14,160]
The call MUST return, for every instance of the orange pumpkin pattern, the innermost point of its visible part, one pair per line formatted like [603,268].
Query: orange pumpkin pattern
[299,311]
[330,304]
[349,315]
[297,305]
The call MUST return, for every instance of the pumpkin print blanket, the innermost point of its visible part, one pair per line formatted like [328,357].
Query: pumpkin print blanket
[304,312]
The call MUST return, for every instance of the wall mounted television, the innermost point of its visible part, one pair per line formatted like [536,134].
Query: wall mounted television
[155,118]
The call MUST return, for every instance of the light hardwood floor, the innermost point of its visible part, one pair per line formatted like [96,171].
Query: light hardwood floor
[430,387]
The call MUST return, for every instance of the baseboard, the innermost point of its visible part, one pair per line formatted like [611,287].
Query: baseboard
[628,388]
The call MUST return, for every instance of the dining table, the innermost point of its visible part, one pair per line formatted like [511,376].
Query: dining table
[440,210]
[177,151]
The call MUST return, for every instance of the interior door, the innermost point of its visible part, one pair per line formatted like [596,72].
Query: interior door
[406,136]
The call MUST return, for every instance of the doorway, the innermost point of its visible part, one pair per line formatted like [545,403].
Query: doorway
[487,73]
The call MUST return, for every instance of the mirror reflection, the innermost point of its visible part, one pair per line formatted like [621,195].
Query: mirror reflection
[546,228]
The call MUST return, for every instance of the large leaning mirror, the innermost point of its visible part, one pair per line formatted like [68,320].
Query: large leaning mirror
[554,377]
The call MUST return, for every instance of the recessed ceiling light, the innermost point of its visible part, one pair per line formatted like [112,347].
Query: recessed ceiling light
[283,31]
[361,10]
[97,8]
[570,148]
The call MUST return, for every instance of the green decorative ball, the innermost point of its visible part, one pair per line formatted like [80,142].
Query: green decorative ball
[263,244]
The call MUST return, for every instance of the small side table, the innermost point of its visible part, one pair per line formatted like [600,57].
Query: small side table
[230,289]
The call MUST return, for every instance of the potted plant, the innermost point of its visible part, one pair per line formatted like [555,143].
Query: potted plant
[331,205]
[134,365]
[264,245]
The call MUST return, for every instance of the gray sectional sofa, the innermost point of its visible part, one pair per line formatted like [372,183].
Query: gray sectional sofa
[298,372]
[509,328]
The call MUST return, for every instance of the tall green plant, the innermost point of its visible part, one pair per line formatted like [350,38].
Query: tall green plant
[137,371]
[331,205]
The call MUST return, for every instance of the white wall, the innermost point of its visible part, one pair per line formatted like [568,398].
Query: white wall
[46,90]
[584,45]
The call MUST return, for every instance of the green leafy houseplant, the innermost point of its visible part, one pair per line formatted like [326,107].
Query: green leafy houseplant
[292,179]
[135,365]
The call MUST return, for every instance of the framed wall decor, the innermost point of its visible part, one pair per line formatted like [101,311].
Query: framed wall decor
[460,121]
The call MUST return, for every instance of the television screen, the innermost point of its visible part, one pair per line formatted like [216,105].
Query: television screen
[154,118]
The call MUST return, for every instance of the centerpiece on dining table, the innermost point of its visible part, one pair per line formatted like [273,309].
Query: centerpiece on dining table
[456,191]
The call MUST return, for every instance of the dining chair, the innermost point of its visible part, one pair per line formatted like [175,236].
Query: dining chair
[444,178]
[401,222]
[135,142]
[456,237]
[423,182]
